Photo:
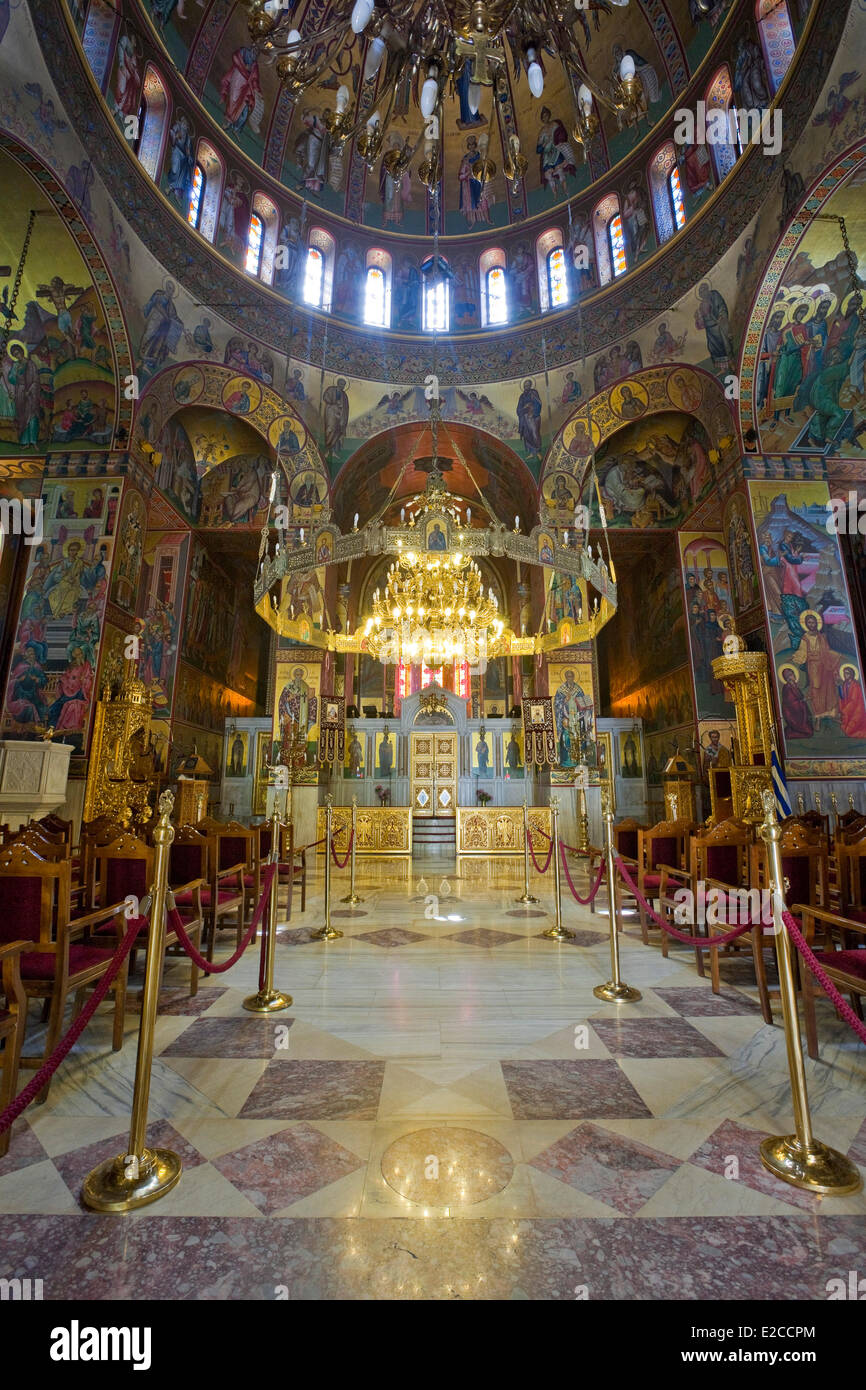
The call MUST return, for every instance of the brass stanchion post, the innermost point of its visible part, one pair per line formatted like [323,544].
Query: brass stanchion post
[141,1175]
[800,1158]
[557,932]
[269,1000]
[615,990]
[527,897]
[327,932]
[352,896]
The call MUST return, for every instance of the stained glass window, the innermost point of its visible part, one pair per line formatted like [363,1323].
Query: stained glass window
[198,185]
[724,152]
[602,221]
[313,276]
[374,297]
[254,245]
[152,122]
[677,197]
[497,303]
[617,245]
[437,297]
[97,38]
[557,278]
[777,38]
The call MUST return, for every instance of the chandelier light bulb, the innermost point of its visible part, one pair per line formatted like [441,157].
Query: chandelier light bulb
[584,96]
[474,97]
[361,15]
[429,97]
[373,61]
[302,535]
[534,73]
[294,36]
[342,100]
[626,68]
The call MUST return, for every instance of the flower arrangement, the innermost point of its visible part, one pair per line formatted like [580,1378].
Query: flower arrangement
[483,798]
[384,795]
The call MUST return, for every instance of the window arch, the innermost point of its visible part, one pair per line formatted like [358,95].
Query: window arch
[436,295]
[97,40]
[204,199]
[777,38]
[669,207]
[377,288]
[724,141]
[318,270]
[153,114]
[262,238]
[609,240]
[553,286]
[494,287]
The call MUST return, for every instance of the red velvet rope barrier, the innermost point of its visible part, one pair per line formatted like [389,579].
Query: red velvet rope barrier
[822,977]
[595,887]
[49,1067]
[341,863]
[702,941]
[197,958]
[535,861]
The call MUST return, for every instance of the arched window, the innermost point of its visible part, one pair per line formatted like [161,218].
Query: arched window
[669,209]
[723,137]
[609,240]
[553,287]
[97,41]
[436,295]
[204,199]
[153,114]
[377,289]
[494,287]
[262,238]
[777,38]
[318,272]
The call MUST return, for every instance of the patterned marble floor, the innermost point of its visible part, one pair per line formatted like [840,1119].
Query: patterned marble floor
[445,1112]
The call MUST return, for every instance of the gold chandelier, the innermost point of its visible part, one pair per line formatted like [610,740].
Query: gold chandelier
[428,46]
[434,610]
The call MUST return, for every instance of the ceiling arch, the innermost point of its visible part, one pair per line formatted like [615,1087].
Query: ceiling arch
[393,466]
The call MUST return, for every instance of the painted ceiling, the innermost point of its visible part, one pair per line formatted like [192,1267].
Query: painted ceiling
[208,42]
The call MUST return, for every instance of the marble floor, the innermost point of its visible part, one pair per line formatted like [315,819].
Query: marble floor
[445,1112]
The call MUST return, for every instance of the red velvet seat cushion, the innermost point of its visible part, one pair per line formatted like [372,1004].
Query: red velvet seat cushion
[857,914]
[249,880]
[41,965]
[851,962]
[652,880]
[224,895]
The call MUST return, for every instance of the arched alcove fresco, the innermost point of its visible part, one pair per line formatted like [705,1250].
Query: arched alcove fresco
[67,336]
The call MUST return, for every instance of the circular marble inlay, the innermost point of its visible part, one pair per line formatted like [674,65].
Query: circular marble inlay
[525,912]
[447,1167]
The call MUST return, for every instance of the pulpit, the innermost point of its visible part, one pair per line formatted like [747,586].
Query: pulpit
[192,789]
[679,790]
[736,791]
[33,775]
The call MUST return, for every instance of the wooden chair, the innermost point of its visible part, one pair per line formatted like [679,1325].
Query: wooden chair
[663,844]
[55,825]
[34,901]
[100,831]
[293,866]
[13,1019]
[261,853]
[836,943]
[228,861]
[718,858]
[850,853]
[805,879]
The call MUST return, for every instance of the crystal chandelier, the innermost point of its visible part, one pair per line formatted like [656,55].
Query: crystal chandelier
[425,46]
[433,609]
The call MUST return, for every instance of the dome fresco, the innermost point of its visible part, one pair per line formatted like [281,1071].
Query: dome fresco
[210,45]
[256,176]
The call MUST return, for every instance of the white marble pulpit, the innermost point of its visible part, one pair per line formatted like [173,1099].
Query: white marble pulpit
[33,776]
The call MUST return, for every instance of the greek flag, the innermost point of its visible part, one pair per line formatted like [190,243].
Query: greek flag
[780,788]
